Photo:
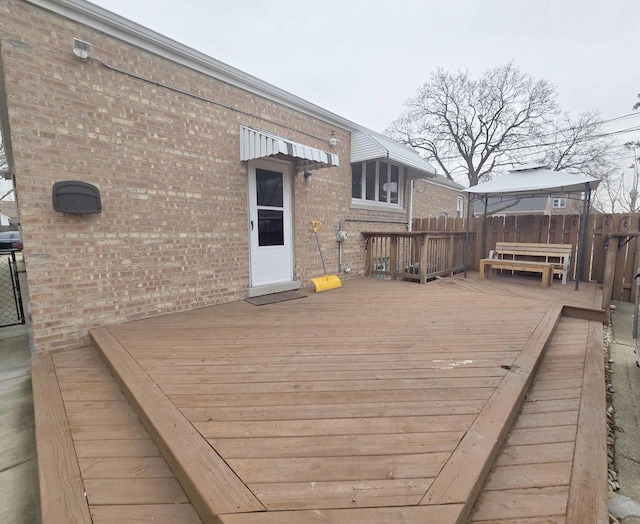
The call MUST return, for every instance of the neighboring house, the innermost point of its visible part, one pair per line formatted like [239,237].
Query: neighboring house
[438,197]
[560,204]
[208,177]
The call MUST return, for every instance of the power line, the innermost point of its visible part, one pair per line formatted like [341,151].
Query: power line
[557,142]
[580,139]
[628,115]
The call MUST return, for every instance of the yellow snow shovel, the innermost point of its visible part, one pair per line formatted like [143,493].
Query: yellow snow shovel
[327,281]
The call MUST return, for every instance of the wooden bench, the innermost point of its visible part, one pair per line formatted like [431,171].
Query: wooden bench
[547,259]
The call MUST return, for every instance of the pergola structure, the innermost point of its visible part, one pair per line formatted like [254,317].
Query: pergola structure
[534,180]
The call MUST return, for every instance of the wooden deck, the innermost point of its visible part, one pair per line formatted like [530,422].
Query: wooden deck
[378,402]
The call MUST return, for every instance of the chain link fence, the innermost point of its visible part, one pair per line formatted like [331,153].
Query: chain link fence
[11,307]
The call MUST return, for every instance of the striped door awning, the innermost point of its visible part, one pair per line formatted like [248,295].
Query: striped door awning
[259,144]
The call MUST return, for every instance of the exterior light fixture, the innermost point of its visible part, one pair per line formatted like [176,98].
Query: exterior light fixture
[81,49]
[308,175]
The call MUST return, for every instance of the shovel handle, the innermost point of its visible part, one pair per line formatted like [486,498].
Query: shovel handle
[315,225]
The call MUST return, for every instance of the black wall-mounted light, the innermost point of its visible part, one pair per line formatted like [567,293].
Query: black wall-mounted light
[308,175]
[79,198]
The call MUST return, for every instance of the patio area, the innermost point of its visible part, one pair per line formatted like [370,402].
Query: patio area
[382,401]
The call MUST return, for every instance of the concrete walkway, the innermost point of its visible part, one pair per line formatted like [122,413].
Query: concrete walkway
[625,377]
[19,495]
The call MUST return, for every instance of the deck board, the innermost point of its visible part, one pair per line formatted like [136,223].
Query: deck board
[400,515]
[590,461]
[155,513]
[325,411]
[462,477]
[346,406]
[122,471]
[61,486]
[354,468]
[536,470]
[212,486]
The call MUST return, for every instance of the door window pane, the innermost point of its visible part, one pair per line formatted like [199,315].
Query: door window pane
[270,227]
[269,189]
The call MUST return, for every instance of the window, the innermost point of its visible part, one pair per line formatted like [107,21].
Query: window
[559,202]
[376,182]
[460,207]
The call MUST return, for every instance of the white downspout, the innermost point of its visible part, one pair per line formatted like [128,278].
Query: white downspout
[410,223]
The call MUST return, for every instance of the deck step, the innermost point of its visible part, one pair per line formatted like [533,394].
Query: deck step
[213,488]
[57,463]
[96,462]
[542,464]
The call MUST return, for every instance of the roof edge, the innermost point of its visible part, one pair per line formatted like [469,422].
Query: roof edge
[135,34]
[443,182]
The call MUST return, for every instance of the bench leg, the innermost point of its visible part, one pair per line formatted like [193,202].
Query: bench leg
[483,269]
[546,274]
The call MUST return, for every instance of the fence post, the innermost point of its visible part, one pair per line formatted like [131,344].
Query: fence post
[451,246]
[609,272]
[393,256]
[368,256]
[424,240]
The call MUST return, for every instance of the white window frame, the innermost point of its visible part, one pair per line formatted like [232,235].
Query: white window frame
[376,203]
[460,207]
[559,202]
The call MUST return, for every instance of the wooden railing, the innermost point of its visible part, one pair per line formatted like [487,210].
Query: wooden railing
[418,256]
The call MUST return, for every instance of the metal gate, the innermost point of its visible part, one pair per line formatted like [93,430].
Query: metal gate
[11,308]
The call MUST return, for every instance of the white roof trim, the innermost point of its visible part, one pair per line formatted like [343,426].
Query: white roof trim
[367,145]
[260,144]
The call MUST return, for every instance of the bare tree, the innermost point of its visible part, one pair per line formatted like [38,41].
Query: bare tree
[476,121]
[618,191]
[612,195]
[637,104]
[578,146]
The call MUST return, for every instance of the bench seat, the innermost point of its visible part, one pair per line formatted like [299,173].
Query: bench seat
[557,254]
[544,268]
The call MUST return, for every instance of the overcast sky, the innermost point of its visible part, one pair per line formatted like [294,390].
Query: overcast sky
[362,59]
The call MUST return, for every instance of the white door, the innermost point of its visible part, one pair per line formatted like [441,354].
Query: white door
[270,223]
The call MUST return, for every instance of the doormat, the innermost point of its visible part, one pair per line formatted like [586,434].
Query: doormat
[275,297]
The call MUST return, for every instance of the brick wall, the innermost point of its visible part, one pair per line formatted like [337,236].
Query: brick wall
[430,199]
[173,233]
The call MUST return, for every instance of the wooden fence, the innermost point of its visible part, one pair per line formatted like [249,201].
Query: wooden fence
[604,232]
